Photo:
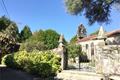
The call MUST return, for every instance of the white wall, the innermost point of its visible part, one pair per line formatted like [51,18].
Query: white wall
[88,50]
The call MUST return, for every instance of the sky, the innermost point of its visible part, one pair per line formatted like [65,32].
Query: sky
[51,14]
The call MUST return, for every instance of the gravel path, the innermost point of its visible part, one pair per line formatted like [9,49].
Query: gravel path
[78,75]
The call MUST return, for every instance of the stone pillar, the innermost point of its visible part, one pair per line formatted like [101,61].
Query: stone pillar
[64,60]
[64,55]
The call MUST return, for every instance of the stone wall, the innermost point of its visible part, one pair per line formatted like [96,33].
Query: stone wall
[107,59]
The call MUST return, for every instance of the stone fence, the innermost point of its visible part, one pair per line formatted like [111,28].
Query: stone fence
[107,60]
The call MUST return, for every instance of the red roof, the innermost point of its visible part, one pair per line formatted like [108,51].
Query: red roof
[109,34]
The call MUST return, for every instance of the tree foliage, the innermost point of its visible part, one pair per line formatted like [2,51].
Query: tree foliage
[4,23]
[95,33]
[42,40]
[25,33]
[51,39]
[9,29]
[94,10]
[74,50]
[37,36]
[9,36]
[31,46]
[73,40]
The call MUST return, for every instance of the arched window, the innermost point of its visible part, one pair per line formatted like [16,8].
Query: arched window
[92,49]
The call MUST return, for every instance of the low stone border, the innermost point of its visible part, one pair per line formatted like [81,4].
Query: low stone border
[81,75]
[3,65]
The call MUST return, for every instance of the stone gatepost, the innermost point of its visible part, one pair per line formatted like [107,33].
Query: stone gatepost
[64,59]
[63,53]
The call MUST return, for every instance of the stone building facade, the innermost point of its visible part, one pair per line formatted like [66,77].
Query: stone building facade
[90,43]
[103,49]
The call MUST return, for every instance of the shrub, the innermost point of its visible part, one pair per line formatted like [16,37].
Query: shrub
[44,64]
[8,60]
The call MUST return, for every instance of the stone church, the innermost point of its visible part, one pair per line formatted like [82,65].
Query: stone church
[89,43]
[103,49]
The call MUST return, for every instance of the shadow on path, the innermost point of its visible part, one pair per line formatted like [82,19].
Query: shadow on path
[10,74]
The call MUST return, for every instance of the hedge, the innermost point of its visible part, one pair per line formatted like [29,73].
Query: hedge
[43,64]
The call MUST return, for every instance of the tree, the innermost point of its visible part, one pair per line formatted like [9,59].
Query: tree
[42,40]
[9,36]
[35,42]
[37,36]
[94,10]
[31,46]
[9,28]
[4,23]
[51,39]
[95,33]
[74,50]
[73,40]
[25,33]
